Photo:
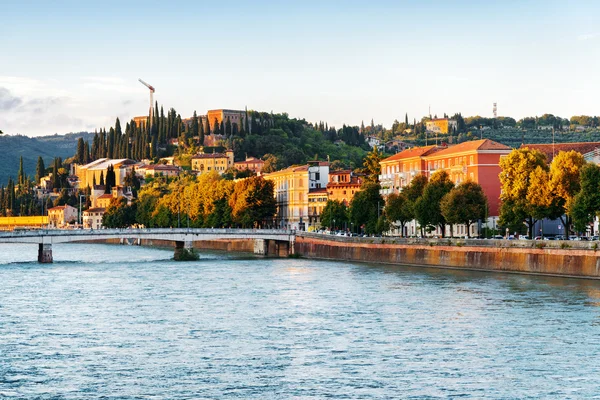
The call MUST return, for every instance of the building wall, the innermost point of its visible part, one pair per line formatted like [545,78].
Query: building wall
[235,116]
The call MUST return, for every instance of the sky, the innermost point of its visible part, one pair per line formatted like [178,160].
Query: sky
[70,66]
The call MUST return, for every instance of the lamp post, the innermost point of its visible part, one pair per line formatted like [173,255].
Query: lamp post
[334,223]
[80,216]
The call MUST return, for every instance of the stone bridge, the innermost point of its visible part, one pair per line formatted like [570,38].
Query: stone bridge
[182,237]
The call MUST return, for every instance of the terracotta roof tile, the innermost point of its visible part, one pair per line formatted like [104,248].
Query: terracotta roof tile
[412,152]
[482,144]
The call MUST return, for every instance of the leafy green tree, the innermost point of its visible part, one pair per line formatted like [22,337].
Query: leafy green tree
[334,210]
[586,204]
[119,214]
[465,204]
[427,207]
[364,209]
[253,202]
[398,209]
[272,163]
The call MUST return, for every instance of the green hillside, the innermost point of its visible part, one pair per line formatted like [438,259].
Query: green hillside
[13,147]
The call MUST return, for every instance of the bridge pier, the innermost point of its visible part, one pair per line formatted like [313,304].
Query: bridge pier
[184,251]
[261,247]
[45,253]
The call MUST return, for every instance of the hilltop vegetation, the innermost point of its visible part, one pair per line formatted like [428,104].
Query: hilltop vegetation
[48,147]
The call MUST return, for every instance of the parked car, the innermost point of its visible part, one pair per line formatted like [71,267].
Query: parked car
[498,237]
[595,237]
[523,237]
[559,237]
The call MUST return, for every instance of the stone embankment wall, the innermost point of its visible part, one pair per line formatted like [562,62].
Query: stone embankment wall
[579,259]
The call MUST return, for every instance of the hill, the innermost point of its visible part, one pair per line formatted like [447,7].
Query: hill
[13,147]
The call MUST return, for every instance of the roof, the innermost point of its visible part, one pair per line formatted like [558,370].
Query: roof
[550,149]
[317,191]
[250,160]
[211,155]
[341,172]
[106,196]
[412,152]
[160,167]
[475,145]
[58,208]
[96,209]
[104,163]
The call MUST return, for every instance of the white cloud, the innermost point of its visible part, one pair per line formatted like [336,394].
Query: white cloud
[588,36]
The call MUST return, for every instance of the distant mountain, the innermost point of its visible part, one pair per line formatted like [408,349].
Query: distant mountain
[13,147]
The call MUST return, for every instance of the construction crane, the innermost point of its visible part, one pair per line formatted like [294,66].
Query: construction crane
[151,100]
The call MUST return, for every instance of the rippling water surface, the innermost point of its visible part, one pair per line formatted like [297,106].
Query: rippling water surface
[124,322]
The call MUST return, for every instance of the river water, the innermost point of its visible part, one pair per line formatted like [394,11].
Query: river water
[125,322]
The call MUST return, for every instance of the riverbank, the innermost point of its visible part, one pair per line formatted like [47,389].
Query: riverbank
[578,260]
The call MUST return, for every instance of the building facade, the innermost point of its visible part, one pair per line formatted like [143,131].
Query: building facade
[343,185]
[219,162]
[235,117]
[477,161]
[292,187]
[441,125]
[90,174]
[61,216]
[92,218]
[253,164]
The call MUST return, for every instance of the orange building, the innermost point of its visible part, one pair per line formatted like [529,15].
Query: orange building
[399,170]
[251,163]
[235,117]
[343,185]
[477,161]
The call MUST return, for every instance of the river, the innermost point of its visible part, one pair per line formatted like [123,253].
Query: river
[126,322]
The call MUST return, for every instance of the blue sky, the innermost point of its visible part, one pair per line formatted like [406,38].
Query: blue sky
[71,66]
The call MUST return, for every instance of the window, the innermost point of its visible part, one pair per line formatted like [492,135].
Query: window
[318,176]
[471,160]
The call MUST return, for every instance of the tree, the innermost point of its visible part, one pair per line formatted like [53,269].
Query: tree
[465,204]
[272,163]
[119,214]
[40,170]
[334,210]
[427,207]
[515,177]
[586,203]
[398,209]
[195,127]
[371,166]
[101,178]
[21,174]
[80,155]
[564,180]
[253,202]
[364,210]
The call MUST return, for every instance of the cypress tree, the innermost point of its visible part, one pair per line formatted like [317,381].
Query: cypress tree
[79,156]
[247,123]
[195,128]
[101,178]
[40,170]
[228,127]
[21,176]
[201,133]
[86,152]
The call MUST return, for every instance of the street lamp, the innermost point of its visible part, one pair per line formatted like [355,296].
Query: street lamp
[334,223]
[80,216]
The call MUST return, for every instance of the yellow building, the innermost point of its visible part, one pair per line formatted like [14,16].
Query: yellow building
[10,223]
[219,162]
[91,172]
[292,188]
[441,125]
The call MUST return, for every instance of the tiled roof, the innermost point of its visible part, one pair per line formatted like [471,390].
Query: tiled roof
[482,144]
[317,191]
[57,208]
[412,152]
[341,172]
[211,155]
[106,196]
[550,149]
[97,209]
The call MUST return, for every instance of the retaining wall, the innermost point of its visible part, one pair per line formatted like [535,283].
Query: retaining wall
[503,256]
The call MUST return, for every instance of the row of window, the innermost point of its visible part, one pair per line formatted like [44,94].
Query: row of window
[415,166]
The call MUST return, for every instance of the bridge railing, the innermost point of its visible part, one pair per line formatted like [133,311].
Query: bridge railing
[143,231]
